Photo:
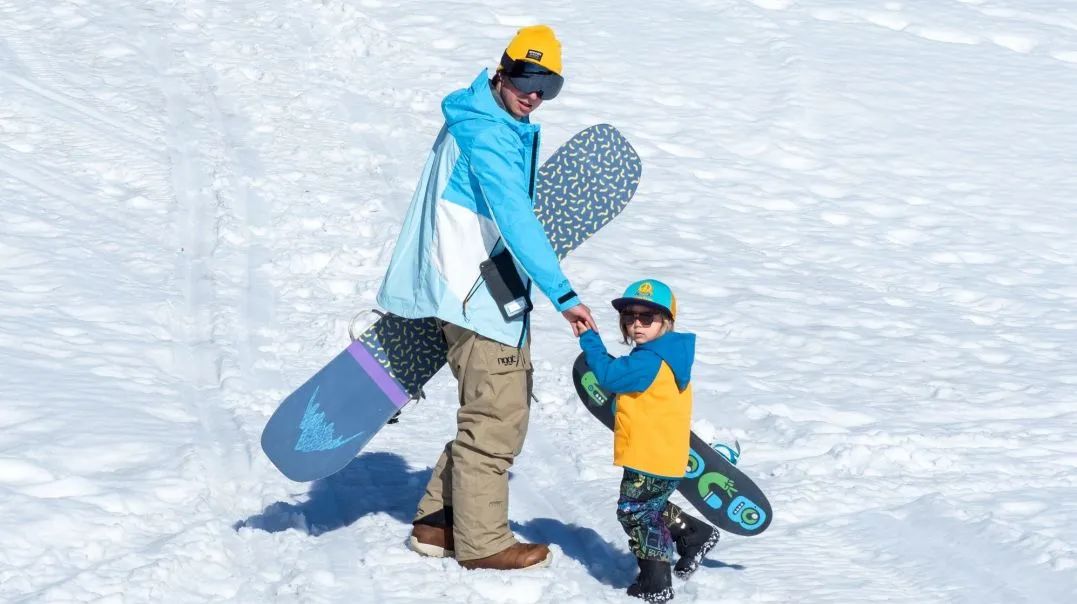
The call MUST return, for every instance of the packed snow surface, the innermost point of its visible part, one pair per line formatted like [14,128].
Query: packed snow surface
[865,208]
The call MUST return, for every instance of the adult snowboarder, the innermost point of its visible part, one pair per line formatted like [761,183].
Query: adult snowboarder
[468,253]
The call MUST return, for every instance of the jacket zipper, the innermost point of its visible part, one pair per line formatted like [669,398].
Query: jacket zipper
[531,196]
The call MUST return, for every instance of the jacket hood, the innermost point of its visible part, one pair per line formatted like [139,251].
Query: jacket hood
[477,102]
[678,350]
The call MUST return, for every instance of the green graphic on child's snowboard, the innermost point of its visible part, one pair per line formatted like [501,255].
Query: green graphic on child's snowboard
[718,480]
[590,384]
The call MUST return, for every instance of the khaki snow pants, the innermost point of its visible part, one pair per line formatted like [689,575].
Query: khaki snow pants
[472,474]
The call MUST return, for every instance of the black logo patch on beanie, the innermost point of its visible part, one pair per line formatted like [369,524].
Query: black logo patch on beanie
[534,54]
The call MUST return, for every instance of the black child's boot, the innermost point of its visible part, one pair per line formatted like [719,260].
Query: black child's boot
[693,537]
[654,583]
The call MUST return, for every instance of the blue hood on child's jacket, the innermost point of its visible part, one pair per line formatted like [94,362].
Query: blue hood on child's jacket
[678,350]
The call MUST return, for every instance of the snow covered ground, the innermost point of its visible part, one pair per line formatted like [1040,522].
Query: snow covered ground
[865,207]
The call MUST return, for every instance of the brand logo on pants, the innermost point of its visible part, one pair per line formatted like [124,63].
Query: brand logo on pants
[506,361]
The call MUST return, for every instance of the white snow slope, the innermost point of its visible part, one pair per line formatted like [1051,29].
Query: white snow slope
[866,209]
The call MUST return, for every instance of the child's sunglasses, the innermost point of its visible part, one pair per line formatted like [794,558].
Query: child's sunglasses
[645,318]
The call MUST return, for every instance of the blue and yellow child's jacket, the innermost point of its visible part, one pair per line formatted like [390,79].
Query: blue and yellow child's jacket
[653,409]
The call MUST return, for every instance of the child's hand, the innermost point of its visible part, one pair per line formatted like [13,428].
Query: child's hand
[579,314]
[579,328]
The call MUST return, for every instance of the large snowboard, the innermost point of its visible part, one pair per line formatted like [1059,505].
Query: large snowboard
[717,488]
[319,428]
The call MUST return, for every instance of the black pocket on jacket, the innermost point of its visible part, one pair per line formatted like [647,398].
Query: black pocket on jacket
[505,285]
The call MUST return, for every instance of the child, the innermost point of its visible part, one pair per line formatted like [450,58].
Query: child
[652,423]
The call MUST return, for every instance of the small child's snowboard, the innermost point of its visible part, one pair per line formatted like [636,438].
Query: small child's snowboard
[718,489]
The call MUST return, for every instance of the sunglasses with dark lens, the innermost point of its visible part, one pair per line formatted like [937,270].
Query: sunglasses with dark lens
[528,77]
[645,318]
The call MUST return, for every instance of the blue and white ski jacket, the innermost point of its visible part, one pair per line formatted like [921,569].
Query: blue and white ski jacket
[475,196]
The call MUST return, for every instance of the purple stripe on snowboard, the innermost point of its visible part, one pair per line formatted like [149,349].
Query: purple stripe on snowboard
[379,374]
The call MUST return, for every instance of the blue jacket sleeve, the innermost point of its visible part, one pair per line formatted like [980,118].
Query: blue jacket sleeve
[498,167]
[632,373]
